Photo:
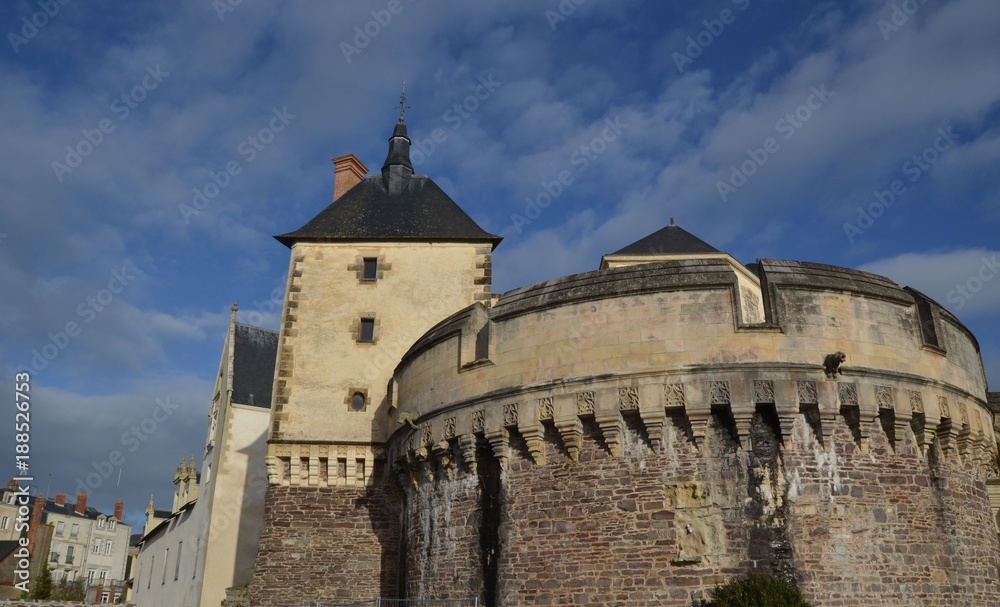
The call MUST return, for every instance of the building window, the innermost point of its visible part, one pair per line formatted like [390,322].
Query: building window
[197,546]
[107,548]
[366,330]
[356,398]
[100,523]
[90,577]
[105,596]
[104,576]
[69,555]
[166,560]
[177,562]
[369,268]
[60,528]
[111,524]
[97,546]
[74,530]
[152,563]
[358,401]
[4,523]
[54,556]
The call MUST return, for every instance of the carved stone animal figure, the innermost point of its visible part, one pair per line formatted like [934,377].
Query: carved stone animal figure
[407,417]
[832,363]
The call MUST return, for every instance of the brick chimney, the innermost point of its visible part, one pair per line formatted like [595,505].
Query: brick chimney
[119,509]
[81,503]
[349,171]
[60,499]
[36,521]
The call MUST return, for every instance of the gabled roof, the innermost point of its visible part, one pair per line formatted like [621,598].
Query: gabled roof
[671,240]
[254,356]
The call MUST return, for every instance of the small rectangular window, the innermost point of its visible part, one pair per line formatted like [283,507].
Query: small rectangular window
[4,523]
[107,548]
[177,562]
[60,528]
[369,268]
[367,330]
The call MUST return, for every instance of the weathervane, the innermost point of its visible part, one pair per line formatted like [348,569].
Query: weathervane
[402,102]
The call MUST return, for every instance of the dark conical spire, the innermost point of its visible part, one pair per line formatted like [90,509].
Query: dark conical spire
[397,169]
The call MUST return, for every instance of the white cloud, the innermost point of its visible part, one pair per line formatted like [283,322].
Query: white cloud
[966,281]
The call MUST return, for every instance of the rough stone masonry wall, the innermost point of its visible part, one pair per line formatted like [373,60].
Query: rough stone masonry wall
[891,527]
[662,527]
[319,544]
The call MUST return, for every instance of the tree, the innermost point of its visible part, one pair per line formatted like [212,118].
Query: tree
[43,585]
[69,591]
[755,591]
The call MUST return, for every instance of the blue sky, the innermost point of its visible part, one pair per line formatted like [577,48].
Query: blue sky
[862,134]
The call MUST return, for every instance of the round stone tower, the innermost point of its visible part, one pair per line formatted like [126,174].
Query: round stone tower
[639,434]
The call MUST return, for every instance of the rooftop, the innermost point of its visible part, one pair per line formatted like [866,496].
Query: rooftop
[393,206]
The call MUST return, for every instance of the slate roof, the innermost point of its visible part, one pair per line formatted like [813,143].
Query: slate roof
[6,547]
[254,356]
[671,240]
[69,509]
[367,212]
[393,206]
[993,400]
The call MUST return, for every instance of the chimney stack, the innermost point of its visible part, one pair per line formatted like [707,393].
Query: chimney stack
[36,521]
[81,503]
[348,172]
[119,509]
[60,499]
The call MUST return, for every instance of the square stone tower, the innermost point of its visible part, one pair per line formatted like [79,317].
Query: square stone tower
[387,260]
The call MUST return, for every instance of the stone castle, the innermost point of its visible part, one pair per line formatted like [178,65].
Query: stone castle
[633,436]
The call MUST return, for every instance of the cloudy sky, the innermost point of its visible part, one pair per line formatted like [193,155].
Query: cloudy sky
[151,151]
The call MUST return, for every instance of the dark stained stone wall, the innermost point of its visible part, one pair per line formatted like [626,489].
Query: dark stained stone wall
[336,544]
[892,527]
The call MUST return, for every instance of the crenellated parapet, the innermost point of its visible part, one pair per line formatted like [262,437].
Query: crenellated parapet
[668,343]
[903,406]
